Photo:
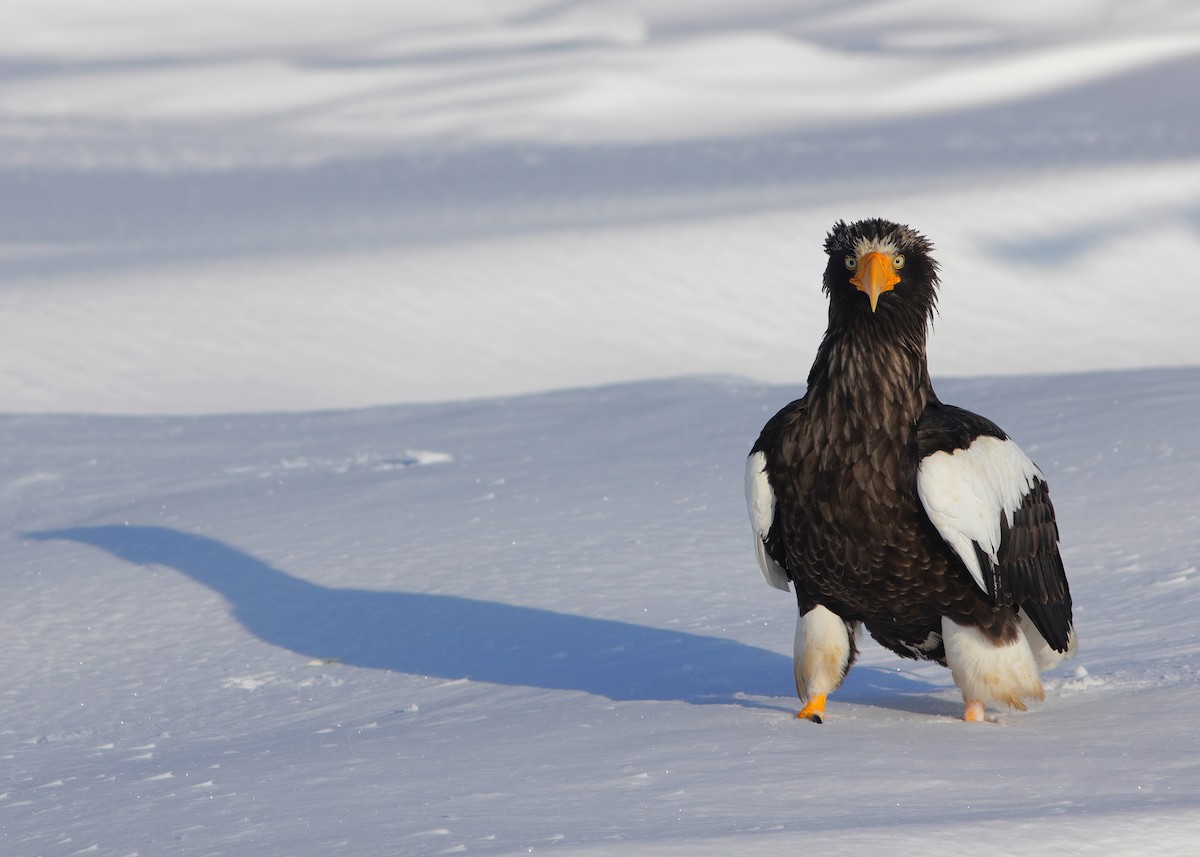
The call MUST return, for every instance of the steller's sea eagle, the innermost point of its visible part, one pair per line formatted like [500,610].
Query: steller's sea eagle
[883,507]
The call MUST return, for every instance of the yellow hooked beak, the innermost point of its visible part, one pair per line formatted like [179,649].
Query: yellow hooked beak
[874,275]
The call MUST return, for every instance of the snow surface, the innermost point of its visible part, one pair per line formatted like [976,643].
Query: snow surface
[467,315]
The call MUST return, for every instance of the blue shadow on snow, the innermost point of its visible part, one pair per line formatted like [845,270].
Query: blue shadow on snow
[453,638]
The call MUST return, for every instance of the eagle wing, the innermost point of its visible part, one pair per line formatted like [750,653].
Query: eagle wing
[760,496]
[991,505]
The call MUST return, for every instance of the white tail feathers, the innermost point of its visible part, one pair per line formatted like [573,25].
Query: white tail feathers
[1046,657]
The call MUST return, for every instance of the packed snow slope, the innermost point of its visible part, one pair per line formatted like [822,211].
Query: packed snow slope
[271,205]
[467,315]
[535,623]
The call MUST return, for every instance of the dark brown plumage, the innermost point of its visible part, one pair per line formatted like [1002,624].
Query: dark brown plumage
[871,484]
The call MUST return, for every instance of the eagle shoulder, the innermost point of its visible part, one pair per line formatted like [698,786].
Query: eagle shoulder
[760,495]
[990,503]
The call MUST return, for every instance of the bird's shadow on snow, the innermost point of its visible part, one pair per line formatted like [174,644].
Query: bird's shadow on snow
[454,638]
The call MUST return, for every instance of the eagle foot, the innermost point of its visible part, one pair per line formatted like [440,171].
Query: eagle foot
[813,709]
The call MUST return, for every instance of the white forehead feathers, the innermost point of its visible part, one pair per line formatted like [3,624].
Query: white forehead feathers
[886,246]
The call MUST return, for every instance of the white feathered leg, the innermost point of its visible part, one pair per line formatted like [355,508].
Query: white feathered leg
[821,656]
[986,671]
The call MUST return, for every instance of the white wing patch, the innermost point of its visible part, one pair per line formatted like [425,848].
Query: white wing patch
[760,501]
[965,493]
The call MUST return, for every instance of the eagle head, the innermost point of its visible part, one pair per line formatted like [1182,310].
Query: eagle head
[879,267]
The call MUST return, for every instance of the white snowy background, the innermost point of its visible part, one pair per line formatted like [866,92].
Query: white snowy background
[377,379]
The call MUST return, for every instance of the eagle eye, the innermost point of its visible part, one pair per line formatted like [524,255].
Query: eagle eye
[851,263]
[898,261]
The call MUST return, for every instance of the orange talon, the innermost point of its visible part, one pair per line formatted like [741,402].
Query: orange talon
[813,709]
[974,712]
